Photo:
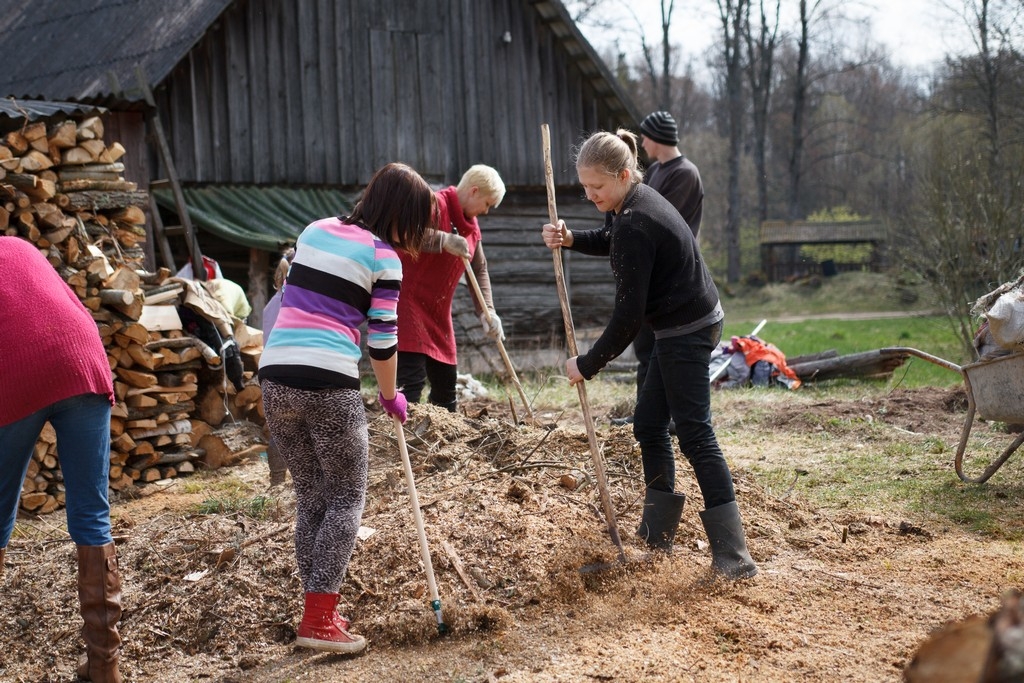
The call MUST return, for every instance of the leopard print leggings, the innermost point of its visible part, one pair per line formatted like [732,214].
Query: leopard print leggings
[322,436]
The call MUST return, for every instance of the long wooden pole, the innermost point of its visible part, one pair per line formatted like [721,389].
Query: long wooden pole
[501,347]
[570,336]
[435,598]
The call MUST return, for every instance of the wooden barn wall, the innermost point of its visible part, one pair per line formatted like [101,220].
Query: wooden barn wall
[522,268]
[324,92]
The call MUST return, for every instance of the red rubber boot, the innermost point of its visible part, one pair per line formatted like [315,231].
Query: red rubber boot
[322,628]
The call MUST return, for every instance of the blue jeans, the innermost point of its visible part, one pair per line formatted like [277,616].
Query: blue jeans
[677,387]
[82,424]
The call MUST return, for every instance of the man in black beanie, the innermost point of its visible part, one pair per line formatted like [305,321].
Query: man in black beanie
[677,179]
[674,176]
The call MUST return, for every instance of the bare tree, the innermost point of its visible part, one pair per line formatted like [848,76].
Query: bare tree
[586,11]
[735,17]
[596,13]
[667,7]
[801,84]
[760,67]
[660,80]
[816,24]
[962,229]
[987,73]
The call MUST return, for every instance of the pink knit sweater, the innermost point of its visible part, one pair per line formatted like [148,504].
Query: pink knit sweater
[49,345]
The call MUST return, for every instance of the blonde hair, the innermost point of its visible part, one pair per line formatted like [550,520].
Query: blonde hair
[485,178]
[281,272]
[612,153]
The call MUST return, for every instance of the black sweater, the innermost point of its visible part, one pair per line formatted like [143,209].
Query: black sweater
[659,272]
[678,181]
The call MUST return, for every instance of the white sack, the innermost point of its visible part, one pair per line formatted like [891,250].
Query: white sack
[1006,319]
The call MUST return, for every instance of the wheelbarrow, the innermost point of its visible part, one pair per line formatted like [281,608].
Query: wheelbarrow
[995,392]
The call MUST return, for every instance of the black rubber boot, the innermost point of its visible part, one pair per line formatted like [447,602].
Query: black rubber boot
[729,556]
[450,407]
[662,510]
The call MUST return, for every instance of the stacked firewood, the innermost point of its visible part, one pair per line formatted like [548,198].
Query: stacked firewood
[61,188]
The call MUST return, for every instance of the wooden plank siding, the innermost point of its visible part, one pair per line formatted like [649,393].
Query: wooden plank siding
[324,92]
[522,269]
[320,93]
[316,92]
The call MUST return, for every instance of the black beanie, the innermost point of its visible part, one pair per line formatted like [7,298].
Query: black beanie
[660,127]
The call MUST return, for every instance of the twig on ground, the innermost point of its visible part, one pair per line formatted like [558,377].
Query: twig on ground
[450,551]
[539,444]
[265,536]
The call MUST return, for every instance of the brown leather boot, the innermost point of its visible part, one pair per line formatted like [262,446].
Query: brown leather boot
[3,551]
[99,592]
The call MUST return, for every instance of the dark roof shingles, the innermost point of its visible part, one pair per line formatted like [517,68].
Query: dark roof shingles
[67,51]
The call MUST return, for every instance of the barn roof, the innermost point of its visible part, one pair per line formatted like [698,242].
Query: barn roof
[806,232]
[586,58]
[89,49]
[21,110]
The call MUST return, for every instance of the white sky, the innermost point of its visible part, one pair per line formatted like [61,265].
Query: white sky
[917,33]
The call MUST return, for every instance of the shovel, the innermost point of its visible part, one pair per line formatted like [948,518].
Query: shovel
[501,347]
[435,599]
[570,335]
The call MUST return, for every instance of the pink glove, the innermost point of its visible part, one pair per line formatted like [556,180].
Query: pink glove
[396,407]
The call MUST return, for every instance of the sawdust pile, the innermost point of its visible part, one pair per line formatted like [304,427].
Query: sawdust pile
[511,514]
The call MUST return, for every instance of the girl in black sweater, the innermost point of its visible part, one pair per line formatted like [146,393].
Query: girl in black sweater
[660,276]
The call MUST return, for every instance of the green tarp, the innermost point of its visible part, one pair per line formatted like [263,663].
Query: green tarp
[261,217]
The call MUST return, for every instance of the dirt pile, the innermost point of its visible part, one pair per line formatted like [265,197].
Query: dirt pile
[511,515]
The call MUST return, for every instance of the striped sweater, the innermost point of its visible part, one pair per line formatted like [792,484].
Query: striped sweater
[342,276]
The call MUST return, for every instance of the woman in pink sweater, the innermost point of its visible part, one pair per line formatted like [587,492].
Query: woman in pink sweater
[53,368]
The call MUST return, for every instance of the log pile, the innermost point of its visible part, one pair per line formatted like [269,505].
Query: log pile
[61,188]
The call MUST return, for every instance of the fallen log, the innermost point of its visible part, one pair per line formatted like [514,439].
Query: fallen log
[874,364]
[808,357]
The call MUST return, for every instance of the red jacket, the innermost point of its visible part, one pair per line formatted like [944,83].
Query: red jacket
[755,350]
[50,348]
[428,287]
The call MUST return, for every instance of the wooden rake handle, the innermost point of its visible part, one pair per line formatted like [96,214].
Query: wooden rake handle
[435,599]
[570,336]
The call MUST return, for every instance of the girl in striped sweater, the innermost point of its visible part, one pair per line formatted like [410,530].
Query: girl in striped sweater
[345,272]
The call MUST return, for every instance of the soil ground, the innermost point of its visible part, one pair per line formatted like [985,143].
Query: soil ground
[846,591]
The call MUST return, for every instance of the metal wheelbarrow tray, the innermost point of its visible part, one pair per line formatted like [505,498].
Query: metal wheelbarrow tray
[995,392]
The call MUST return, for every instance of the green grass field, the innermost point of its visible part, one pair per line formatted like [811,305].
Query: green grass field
[931,334]
[805,318]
